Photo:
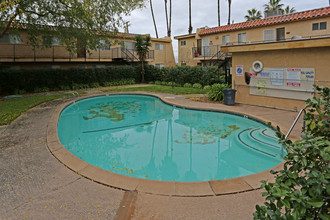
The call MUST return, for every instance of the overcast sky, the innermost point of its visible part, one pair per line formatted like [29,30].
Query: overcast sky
[204,12]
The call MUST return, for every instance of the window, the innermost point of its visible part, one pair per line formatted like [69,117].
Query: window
[319,26]
[51,41]
[269,35]
[159,65]
[183,43]
[280,34]
[56,41]
[225,39]
[159,46]
[242,38]
[10,39]
[104,45]
[129,45]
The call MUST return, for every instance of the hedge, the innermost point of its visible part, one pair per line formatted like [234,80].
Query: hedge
[31,80]
[36,80]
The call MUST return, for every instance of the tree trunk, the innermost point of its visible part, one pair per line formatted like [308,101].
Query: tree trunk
[219,13]
[229,4]
[165,1]
[153,18]
[142,73]
[190,27]
[170,22]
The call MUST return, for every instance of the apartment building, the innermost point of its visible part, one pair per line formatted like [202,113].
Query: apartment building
[204,46]
[16,53]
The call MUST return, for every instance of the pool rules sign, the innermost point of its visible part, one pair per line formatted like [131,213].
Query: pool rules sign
[239,70]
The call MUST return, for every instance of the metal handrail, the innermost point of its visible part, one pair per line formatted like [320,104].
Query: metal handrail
[295,122]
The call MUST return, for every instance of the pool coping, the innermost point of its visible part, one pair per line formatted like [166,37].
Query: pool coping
[127,183]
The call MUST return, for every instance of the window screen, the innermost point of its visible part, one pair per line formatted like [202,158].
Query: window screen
[315,26]
[159,46]
[269,35]
[225,39]
[323,25]
[242,38]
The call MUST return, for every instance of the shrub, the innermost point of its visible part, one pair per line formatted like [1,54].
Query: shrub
[216,92]
[94,85]
[151,82]
[62,87]
[301,190]
[197,86]
[43,89]
[207,87]
[187,85]
[158,82]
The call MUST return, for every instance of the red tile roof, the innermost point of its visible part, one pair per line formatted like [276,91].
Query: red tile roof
[305,15]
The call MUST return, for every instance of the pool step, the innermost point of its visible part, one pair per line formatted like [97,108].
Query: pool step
[256,140]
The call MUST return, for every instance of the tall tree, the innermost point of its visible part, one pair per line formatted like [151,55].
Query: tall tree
[288,10]
[219,13]
[169,31]
[273,5]
[253,15]
[168,18]
[153,17]
[190,27]
[166,14]
[142,49]
[86,20]
[229,12]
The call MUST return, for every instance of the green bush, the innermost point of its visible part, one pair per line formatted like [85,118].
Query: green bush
[207,87]
[43,89]
[151,82]
[187,85]
[164,83]
[197,86]
[94,85]
[158,82]
[216,92]
[31,79]
[301,190]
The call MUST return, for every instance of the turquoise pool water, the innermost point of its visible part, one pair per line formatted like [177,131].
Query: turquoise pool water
[141,136]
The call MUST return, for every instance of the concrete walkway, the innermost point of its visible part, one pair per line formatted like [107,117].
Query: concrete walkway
[34,185]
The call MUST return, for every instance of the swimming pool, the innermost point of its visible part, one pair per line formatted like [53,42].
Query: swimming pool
[141,136]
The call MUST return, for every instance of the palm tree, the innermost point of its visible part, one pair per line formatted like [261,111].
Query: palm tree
[219,13]
[142,49]
[273,5]
[165,1]
[229,7]
[253,15]
[153,18]
[288,10]
[168,18]
[170,23]
[190,27]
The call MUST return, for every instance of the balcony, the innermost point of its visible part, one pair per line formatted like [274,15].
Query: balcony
[26,53]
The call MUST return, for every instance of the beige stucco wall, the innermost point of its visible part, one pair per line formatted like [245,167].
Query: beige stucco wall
[297,28]
[317,58]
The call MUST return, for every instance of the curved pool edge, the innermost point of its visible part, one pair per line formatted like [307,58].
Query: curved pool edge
[184,189]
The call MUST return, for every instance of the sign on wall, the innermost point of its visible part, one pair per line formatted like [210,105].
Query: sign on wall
[239,70]
[293,83]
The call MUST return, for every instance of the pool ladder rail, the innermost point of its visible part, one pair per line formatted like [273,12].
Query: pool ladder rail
[295,122]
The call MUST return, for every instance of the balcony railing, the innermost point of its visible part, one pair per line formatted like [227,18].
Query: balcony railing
[205,51]
[26,53]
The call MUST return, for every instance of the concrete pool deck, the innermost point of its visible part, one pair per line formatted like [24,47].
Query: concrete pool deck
[33,184]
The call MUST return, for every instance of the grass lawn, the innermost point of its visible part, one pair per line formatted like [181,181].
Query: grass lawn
[11,109]
[162,89]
